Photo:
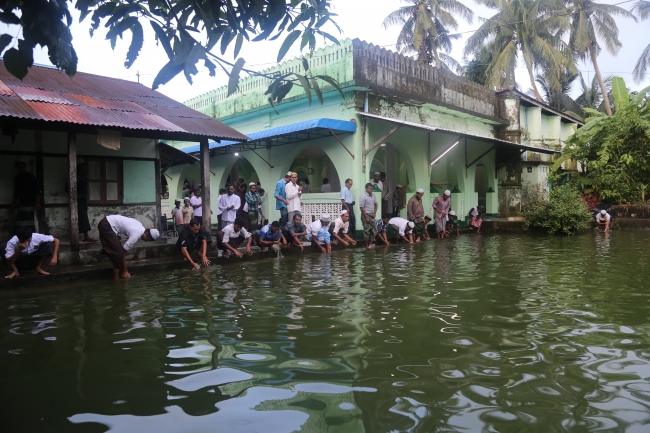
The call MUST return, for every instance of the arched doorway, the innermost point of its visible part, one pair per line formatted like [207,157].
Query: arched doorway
[313,165]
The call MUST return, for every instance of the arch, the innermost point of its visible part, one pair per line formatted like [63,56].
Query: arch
[189,171]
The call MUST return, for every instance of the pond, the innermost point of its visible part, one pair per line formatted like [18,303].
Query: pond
[505,333]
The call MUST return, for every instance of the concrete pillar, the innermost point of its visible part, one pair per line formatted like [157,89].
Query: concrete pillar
[205,183]
[72,191]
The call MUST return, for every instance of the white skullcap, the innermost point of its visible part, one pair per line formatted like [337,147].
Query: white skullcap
[603,212]
[399,185]
[411,224]
[420,191]
[177,200]
[325,217]
[186,198]
[343,212]
[377,172]
[252,184]
[447,192]
[452,213]
[288,174]
[154,234]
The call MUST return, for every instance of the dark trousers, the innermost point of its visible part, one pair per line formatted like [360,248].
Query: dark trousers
[29,262]
[284,216]
[353,220]
[233,242]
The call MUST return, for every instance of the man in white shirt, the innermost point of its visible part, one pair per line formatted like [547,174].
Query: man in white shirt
[231,237]
[402,227]
[228,204]
[109,229]
[340,229]
[293,192]
[326,187]
[376,182]
[27,251]
[603,219]
[197,203]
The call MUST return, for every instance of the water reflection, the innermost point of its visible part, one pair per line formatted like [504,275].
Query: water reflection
[494,333]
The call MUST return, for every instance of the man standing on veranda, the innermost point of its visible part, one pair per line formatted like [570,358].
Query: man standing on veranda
[254,202]
[228,204]
[281,201]
[415,213]
[368,204]
[197,203]
[440,207]
[293,193]
[347,203]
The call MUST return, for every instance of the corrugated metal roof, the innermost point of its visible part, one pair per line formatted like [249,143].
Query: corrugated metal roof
[49,95]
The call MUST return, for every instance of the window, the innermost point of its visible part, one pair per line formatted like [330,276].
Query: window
[104,181]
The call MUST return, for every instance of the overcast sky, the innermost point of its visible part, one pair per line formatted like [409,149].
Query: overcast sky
[358,18]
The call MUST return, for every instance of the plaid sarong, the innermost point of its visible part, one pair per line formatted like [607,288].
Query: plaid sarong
[369,229]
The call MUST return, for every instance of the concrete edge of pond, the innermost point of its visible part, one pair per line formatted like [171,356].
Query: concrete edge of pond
[102,270]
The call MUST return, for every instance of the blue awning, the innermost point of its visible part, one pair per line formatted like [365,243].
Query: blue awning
[288,134]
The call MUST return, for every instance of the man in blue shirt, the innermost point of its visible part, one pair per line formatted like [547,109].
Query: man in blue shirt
[347,203]
[281,201]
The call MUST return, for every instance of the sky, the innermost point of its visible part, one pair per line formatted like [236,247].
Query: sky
[357,18]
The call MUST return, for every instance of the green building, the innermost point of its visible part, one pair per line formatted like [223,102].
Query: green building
[423,127]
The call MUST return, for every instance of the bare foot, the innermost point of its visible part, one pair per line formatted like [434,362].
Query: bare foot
[13,274]
[125,275]
[40,271]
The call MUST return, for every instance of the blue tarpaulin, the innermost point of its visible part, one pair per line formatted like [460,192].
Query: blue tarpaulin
[301,131]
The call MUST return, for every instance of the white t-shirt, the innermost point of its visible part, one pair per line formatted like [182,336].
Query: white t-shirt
[198,212]
[402,225]
[339,224]
[229,232]
[128,227]
[37,239]
[602,218]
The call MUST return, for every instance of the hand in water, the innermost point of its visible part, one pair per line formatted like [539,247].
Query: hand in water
[205,261]
[196,266]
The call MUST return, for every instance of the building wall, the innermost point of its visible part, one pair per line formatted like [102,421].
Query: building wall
[137,157]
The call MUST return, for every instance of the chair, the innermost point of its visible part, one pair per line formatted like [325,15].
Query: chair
[167,226]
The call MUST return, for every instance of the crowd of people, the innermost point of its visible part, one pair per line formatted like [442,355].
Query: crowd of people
[241,222]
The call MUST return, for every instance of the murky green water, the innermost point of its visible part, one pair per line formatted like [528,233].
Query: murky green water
[507,333]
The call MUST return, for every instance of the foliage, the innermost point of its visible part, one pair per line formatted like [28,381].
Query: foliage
[591,96]
[425,28]
[189,31]
[614,151]
[590,20]
[530,29]
[475,68]
[642,8]
[563,212]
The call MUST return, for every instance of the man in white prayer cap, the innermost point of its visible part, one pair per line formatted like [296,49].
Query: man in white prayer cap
[377,184]
[402,228]
[415,213]
[440,209]
[318,233]
[340,230]
[603,219]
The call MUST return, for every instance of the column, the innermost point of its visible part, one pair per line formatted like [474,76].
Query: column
[72,181]
[205,183]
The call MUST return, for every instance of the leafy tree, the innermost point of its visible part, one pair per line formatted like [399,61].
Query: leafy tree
[614,151]
[563,212]
[189,31]
[642,8]
[425,28]
[475,68]
[531,29]
[589,20]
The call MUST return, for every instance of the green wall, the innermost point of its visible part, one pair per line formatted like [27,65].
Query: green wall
[139,181]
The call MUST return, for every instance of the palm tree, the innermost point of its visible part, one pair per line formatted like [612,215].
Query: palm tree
[559,98]
[642,8]
[588,21]
[592,95]
[527,28]
[425,28]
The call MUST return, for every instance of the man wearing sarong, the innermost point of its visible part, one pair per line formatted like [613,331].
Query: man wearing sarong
[368,204]
[415,213]
[401,228]
[440,208]
[28,251]
[110,228]
[254,202]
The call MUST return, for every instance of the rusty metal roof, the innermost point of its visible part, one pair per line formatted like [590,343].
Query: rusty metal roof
[49,95]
